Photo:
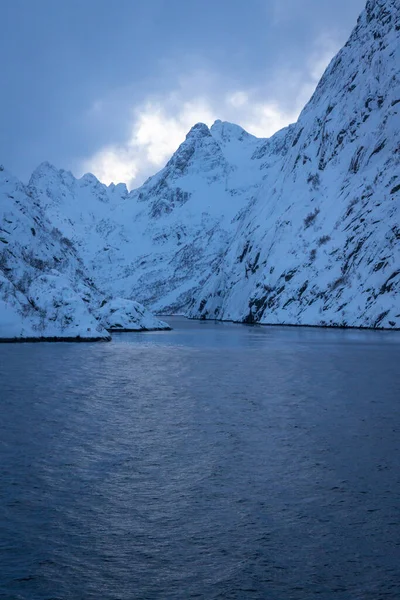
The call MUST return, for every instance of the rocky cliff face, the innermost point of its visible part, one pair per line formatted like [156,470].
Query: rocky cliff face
[301,228]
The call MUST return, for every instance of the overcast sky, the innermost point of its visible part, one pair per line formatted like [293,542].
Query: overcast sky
[113,86]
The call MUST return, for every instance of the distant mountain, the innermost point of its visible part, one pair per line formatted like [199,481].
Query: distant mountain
[46,291]
[301,228]
[160,242]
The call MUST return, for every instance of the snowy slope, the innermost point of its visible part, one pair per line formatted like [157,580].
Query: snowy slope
[45,290]
[301,228]
[119,314]
[321,243]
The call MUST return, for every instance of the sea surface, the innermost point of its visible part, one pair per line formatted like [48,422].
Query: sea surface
[215,461]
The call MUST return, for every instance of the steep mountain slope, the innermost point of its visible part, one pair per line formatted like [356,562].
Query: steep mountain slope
[45,290]
[159,243]
[300,228]
[320,245]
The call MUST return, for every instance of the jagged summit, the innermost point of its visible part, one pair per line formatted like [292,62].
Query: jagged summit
[199,141]
[119,189]
[45,169]
[90,179]
[225,131]
[198,131]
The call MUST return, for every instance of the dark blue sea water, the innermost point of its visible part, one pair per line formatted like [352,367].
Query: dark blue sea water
[216,461]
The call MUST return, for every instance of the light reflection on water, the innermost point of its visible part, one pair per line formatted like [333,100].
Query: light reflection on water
[212,461]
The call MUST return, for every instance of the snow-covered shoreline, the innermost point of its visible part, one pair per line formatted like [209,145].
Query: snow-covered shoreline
[294,325]
[78,339]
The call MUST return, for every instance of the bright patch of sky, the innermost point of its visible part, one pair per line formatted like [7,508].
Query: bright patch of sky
[113,87]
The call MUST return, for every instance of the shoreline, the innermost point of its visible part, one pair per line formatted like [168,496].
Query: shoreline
[257,323]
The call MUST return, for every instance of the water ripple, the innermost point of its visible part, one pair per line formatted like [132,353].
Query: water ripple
[215,461]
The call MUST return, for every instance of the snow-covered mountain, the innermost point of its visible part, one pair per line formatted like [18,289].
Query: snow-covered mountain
[160,242]
[300,228]
[45,289]
[320,244]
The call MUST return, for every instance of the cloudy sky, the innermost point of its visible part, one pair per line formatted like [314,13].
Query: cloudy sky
[113,86]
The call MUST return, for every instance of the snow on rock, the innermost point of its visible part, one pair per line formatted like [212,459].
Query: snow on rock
[127,315]
[44,290]
[13,304]
[50,310]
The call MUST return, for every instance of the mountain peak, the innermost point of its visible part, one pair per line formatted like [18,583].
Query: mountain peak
[90,179]
[223,130]
[118,188]
[197,131]
[44,168]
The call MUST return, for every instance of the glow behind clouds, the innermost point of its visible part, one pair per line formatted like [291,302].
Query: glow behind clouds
[113,87]
[158,126]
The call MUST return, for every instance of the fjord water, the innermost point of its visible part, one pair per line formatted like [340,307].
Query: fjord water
[212,461]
